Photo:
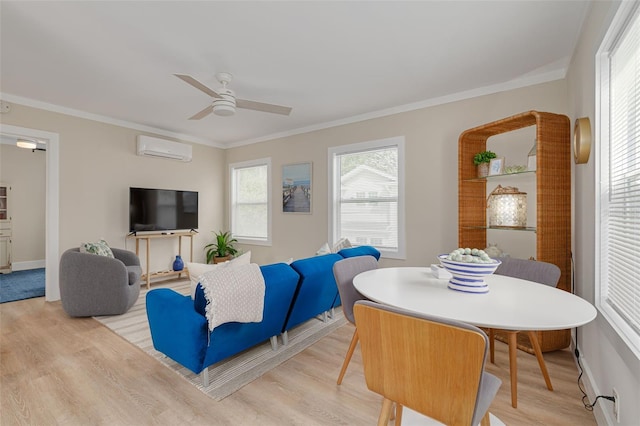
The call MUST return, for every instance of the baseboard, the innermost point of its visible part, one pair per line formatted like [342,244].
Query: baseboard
[603,417]
[30,264]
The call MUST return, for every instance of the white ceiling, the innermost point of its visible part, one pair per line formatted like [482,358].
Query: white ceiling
[333,62]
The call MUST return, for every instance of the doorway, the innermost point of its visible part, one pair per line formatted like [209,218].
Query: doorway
[52,289]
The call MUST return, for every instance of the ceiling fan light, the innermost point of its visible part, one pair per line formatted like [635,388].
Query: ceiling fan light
[225,105]
[223,110]
[25,143]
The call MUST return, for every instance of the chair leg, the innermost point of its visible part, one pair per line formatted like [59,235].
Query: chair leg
[513,366]
[492,344]
[385,412]
[486,420]
[347,358]
[543,367]
[398,415]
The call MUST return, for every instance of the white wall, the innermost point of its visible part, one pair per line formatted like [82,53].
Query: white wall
[431,170]
[98,164]
[607,360]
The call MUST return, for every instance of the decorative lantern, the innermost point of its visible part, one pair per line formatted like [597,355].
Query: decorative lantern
[507,207]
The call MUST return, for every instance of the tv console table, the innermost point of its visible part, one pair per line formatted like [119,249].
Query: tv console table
[147,277]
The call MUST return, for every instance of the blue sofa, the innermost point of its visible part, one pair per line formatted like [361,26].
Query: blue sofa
[293,294]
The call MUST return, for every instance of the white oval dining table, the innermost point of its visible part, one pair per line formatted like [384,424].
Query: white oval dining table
[511,304]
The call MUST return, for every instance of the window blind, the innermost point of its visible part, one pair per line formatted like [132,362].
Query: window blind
[621,218]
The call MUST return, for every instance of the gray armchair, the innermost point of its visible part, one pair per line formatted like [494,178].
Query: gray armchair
[92,285]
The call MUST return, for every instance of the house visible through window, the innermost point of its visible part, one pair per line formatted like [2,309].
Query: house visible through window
[367,200]
[618,167]
[250,201]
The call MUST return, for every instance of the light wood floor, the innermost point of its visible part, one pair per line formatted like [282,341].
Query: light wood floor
[58,370]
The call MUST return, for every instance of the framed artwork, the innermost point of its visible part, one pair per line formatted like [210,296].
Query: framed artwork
[296,188]
[496,166]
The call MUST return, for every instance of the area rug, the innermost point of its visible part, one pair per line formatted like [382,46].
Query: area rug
[20,285]
[233,373]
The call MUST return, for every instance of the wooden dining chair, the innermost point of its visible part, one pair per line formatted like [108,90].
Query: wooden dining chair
[344,271]
[428,364]
[531,270]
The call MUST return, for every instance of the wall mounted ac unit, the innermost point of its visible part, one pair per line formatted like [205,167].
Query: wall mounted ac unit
[155,147]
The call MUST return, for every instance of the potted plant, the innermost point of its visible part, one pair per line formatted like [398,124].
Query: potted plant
[222,248]
[482,160]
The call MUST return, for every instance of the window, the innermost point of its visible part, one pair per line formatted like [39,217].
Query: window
[366,187]
[618,169]
[250,201]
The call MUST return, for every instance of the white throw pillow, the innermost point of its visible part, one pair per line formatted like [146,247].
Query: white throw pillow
[243,259]
[325,249]
[197,269]
[341,244]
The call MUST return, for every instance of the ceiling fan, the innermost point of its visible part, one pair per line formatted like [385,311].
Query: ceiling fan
[224,100]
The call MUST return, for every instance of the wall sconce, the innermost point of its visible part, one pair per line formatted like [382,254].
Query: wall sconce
[26,143]
[507,207]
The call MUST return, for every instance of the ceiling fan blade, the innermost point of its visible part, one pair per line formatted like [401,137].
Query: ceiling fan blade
[208,110]
[259,106]
[195,83]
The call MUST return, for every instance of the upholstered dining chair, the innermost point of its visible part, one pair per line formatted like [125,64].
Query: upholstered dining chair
[344,271]
[431,365]
[531,270]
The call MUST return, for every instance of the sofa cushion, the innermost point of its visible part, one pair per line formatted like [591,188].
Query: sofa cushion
[317,289]
[101,248]
[360,251]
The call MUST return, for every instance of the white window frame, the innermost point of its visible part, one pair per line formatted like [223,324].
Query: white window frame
[243,165]
[334,193]
[628,334]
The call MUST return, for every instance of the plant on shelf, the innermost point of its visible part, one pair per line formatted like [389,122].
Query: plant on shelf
[222,248]
[482,160]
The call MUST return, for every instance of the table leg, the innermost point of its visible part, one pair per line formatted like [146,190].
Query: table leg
[492,344]
[513,366]
[543,367]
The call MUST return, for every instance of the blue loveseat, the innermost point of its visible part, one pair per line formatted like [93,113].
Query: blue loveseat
[293,294]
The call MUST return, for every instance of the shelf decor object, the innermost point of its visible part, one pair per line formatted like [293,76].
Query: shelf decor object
[496,166]
[552,198]
[507,207]
[178,264]
[482,161]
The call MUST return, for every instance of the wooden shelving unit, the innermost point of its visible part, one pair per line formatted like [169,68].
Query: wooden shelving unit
[5,229]
[553,198]
[149,276]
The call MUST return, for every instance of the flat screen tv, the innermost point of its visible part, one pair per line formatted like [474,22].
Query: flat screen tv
[162,210]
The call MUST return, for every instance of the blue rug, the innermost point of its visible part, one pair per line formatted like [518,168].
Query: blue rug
[20,285]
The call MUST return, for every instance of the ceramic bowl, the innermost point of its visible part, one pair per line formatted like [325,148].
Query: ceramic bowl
[468,277]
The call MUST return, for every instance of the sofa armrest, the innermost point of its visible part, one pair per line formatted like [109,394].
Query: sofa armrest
[177,330]
[127,257]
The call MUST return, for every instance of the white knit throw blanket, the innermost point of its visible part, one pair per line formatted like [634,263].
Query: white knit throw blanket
[233,294]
